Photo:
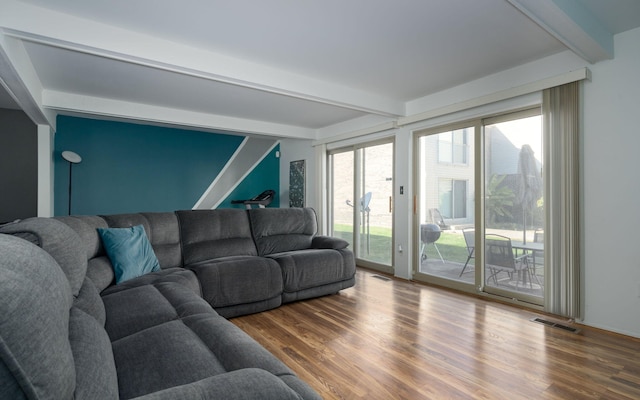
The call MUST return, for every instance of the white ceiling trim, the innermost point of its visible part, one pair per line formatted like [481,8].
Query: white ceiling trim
[505,94]
[571,76]
[386,126]
[122,110]
[60,30]
[22,83]
[572,25]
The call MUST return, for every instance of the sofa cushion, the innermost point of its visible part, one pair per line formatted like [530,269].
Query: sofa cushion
[60,241]
[89,301]
[277,230]
[35,299]
[328,242]
[101,273]
[230,281]
[304,269]
[179,275]
[167,326]
[162,230]
[243,384]
[95,369]
[86,227]
[99,268]
[160,357]
[129,251]
[209,234]
[158,303]
[206,342]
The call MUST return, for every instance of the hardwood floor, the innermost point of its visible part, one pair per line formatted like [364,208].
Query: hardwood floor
[393,339]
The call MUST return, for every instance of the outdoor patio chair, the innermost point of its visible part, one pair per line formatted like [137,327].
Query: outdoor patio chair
[499,257]
[429,233]
[436,218]
[470,240]
[537,255]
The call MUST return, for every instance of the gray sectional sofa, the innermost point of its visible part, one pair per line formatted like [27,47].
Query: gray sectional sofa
[68,331]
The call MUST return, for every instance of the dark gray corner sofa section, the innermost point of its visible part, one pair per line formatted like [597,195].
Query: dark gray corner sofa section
[67,331]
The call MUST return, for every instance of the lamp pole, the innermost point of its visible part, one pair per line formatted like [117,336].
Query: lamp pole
[72,158]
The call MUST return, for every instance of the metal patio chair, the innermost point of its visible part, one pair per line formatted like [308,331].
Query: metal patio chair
[470,240]
[499,257]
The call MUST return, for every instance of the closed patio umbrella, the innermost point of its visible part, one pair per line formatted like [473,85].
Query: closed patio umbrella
[529,184]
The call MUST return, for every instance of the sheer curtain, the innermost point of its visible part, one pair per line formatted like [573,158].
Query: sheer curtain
[560,116]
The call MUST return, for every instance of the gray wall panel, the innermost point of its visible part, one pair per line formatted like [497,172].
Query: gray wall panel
[18,166]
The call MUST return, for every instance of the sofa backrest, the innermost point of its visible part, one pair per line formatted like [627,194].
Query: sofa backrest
[53,344]
[99,268]
[276,230]
[49,347]
[208,234]
[35,299]
[162,230]
[57,239]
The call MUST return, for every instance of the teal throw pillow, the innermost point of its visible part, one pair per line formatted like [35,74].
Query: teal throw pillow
[129,251]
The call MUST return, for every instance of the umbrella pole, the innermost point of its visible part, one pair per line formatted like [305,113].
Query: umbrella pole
[524,226]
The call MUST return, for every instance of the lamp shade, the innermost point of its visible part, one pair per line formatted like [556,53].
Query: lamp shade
[72,157]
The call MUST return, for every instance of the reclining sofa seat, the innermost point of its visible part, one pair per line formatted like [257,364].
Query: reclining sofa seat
[311,265]
[217,245]
[255,260]
[155,337]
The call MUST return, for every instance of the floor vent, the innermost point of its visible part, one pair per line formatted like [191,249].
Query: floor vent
[382,278]
[556,325]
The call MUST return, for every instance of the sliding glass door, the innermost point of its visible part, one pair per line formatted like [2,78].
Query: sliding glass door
[514,222]
[361,189]
[479,220]
[445,215]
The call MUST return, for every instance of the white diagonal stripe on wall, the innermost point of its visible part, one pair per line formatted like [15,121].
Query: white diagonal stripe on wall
[249,154]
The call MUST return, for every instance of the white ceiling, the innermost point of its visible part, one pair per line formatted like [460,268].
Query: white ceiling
[285,65]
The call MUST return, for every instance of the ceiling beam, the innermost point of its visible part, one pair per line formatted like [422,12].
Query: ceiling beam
[20,80]
[572,24]
[74,104]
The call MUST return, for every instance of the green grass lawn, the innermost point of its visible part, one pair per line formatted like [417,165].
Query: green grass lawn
[451,245]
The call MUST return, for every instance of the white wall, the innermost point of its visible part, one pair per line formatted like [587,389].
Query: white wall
[612,190]
[45,171]
[293,150]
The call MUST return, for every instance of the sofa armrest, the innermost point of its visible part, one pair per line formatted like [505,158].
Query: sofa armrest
[328,242]
[249,383]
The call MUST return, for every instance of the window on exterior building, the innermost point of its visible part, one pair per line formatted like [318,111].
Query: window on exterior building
[452,147]
[452,198]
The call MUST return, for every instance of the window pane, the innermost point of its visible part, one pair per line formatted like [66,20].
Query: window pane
[514,201]
[342,179]
[445,196]
[460,146]
[376,214]
[444,148]
[445,208]
[459,199]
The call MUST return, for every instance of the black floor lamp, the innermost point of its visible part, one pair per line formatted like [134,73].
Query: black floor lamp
[72,158]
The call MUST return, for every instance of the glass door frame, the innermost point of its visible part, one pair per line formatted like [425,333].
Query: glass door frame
[357,194]
[479,286]
[421,276]
[480,239]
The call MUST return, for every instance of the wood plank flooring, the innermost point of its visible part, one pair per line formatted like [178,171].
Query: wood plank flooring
[393,339]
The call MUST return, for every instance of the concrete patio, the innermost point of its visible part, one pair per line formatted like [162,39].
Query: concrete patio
[451,270]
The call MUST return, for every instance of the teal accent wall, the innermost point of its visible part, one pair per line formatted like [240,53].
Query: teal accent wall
[259,180]
[136,168]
